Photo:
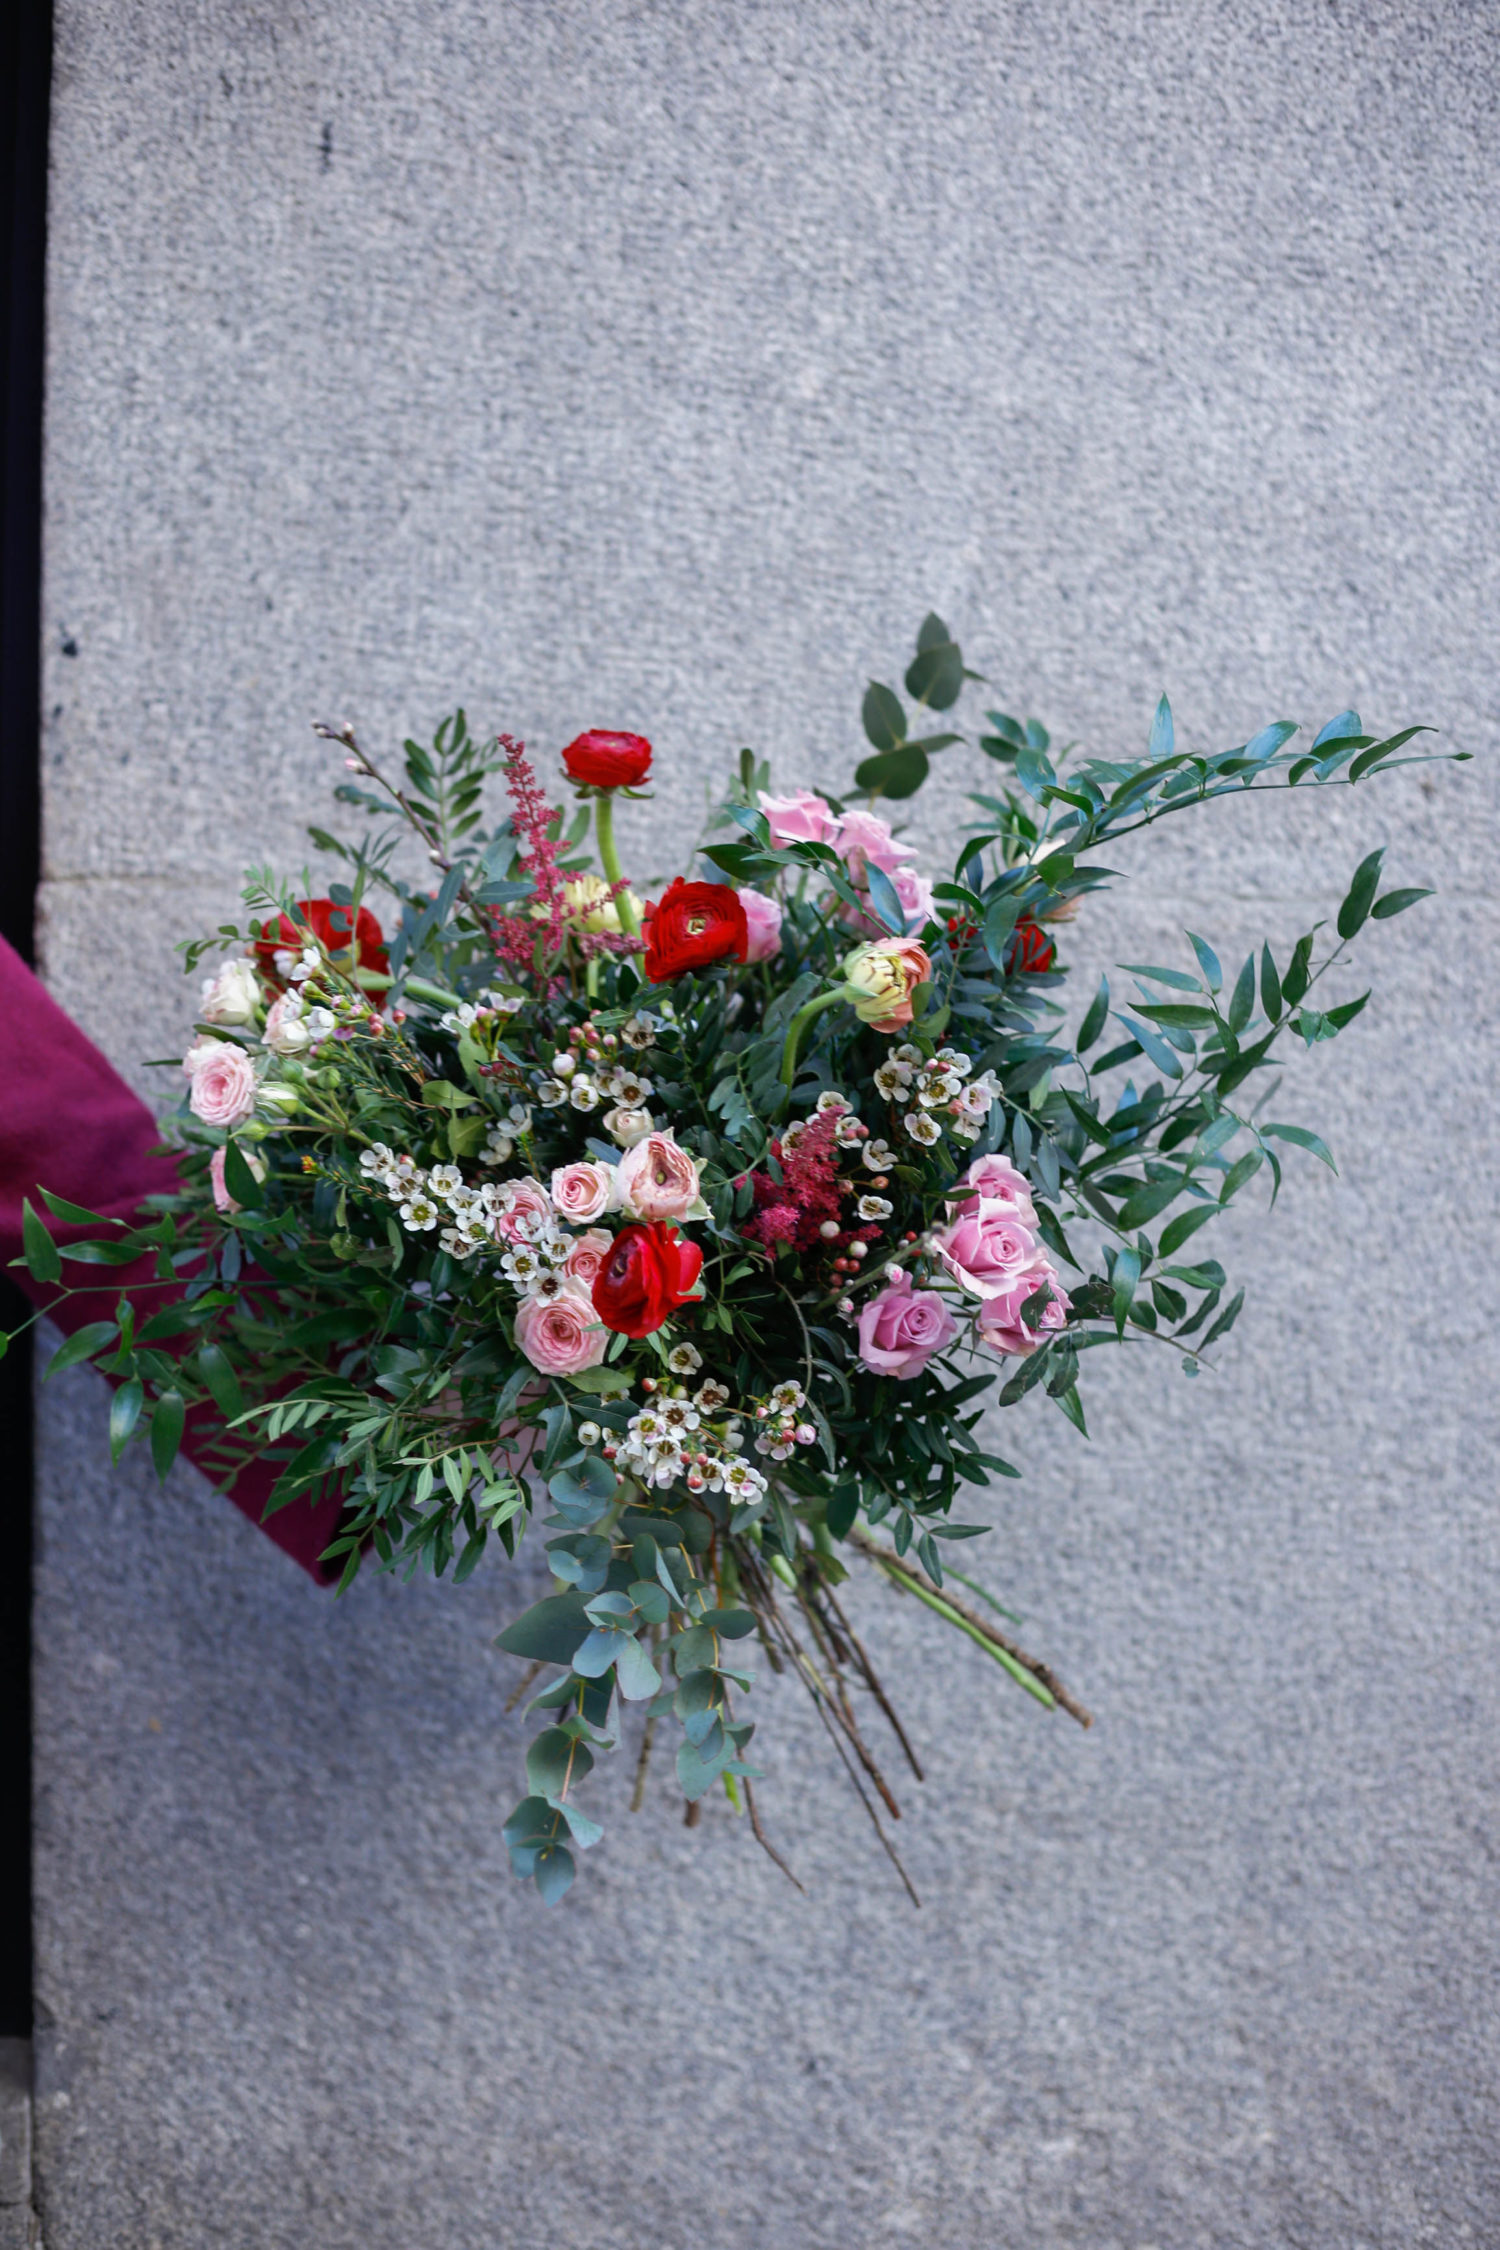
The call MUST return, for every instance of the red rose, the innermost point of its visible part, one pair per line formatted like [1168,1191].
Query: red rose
[692,924]
[330,923]
[647,1275]
[1032,952]
[608,761]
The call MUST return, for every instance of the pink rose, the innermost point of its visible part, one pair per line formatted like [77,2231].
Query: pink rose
[901,1329]
[563,1334]
[865,840]
[915,894]
[587,1255]
[763,921]
[657,1179]
[223,1083]
[523,1211]
[581,1192]
[986,1247]
[801,818]
[1001,1325]
[223,1200]
[998,1181]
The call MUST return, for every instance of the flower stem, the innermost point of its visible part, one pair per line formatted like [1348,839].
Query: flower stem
[609,860]
[798,1025]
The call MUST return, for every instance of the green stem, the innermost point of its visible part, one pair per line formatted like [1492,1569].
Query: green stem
[609,860]
[437,995]
[798,1025]
[1018,1672]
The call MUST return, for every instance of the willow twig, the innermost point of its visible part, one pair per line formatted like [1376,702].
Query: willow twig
[764,1842]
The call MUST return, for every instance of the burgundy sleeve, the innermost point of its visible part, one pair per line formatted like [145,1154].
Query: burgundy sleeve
[68,1122]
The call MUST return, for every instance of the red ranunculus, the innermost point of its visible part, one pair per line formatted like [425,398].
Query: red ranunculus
[1032,952]
[330,923]
[608,761]
[692,924]
[647,1275]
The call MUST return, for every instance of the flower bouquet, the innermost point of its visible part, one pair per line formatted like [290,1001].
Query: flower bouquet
[695,1236]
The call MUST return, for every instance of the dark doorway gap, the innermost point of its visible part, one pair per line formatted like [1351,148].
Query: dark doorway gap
[25,93]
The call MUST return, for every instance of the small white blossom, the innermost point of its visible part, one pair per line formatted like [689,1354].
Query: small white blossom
[583,1094]
[873,1207]
[377,1158]
[457,1245]
[683,1359]
[828,1100]
[419,1214]
[711,1395]
[787,1397]
[552,1093]
[923,1128]
[638,1031]
[877,1156]
[443,1179]
[589,1433]
[848,1133]
[893,1081]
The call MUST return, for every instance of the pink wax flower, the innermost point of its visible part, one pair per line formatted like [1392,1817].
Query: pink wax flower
[901,1329]
[657,1179]
[997,1180]
[584,1191]
[865,840]
[223,1083]
[802,818]
[763,922]
[563,1334]
[587,1255]
[523,1211]
[986,1247]
[223,1200]
[1000,1323]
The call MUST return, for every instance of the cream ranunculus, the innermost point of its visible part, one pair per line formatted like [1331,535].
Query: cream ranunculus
[882,976]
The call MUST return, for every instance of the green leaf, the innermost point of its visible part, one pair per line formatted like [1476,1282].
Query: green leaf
[883,716]
[42,1259]
[1298,977]
[240,1180]
[1126,1274]
[124,1413]
[1270,985]
[552,1871]
[166,1431]
[885,901]
[223,1384]
[1153,1046]
[555,1761]
[1244,1169]
[1096,1018]
[550,1632]
[1242,999]
[1163,734]
[82,1344]
[1225,1321]
[1361,895]
[936,675]
[1177,978]
[1395,902]
[895,773]
[74,1214]
[1147,1202]
[1186,1223]
[1208,962]
[1347,1011]
[1303,1139]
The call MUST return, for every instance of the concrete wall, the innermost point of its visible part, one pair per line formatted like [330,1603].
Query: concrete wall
[658,366]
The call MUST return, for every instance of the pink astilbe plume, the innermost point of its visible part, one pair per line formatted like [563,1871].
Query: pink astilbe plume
[795,1209]
[516,936]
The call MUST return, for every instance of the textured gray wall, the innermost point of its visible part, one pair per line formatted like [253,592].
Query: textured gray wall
[658,366]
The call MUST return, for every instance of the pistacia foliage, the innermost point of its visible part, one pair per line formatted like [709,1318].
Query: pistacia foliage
[704,1245]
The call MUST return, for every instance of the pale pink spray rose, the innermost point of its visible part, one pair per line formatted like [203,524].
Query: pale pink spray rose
[901,1329]
[584,1191]
[223,1200]
[233,995]
[523,1212]
[998,1181]
[223,1085]
[286,1032]
[802,818]
[657,1179]
[864,840]
[1001,1325]
[915,894]
[561,1335]
[763,923]
[587,1255]
[986,1247]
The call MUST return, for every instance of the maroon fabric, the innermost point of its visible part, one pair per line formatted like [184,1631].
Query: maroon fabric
[69,1123]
